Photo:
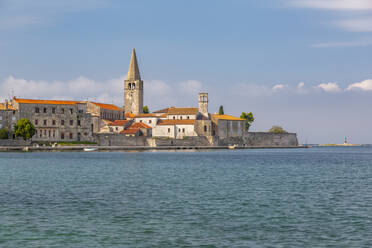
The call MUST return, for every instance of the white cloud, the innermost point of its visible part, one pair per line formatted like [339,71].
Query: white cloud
[356,25]
[335,4]
[329,87]
[300,85]
[278,87]
[365,85]
[158,94]
[192,87]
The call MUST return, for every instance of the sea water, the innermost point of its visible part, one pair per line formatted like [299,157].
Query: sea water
[319,197]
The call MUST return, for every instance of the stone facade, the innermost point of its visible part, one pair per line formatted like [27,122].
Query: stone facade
[203,104]
[133,88]
[8,116]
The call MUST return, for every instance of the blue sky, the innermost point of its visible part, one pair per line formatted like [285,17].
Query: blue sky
[302,64]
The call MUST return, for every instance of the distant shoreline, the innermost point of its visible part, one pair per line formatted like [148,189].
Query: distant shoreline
[138,148]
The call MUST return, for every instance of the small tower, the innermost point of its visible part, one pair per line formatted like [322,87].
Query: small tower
[133,88]
[203,104]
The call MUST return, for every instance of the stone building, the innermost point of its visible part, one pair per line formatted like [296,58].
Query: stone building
[226,126]
[58,120]
[8,116]
[133,88]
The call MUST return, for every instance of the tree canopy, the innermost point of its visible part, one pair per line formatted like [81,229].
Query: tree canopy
[4,133]
[277,129]
[220,111]
[146,110]
[249,119]
[24,128]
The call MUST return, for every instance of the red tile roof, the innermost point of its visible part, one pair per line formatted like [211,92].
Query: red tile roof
[118,123]
[161,111]
[107,106]
[19,100]
[176,122]
[130,131]
[66,102]
[145,115]
[139,125]
[182,111]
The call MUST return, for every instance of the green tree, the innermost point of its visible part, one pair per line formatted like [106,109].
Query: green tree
[146,110]
[277,129]
[24,128]
[249,119]
[220,111]
[4,133]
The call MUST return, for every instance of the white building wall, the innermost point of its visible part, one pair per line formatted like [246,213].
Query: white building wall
[185,131]
[150,121]
[181,117]
[164,131]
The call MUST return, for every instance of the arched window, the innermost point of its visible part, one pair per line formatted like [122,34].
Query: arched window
[205,128]
[133,86]
[129,86]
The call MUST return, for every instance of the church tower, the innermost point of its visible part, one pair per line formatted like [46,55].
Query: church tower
[203,104]
[133,88]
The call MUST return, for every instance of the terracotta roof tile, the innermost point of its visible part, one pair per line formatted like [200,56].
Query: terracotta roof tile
[161,111]
[19,100]
[182,111]
[227,117]
[107,106]
[130,131]
[145,115]
[176,122]
[139,125]
[118,123]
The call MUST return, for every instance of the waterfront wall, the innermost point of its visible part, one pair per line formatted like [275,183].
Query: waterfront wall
[15,142]
[119,140]
[260,139]
[189,141]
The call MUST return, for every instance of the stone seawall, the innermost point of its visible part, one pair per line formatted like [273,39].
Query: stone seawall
[15,142]
[261,139]
[258,139]
[119,140]
[189,141]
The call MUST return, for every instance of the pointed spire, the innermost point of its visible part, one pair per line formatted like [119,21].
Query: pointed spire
[133,72]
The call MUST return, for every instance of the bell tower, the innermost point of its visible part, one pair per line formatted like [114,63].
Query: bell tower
[203,104]
[133,88]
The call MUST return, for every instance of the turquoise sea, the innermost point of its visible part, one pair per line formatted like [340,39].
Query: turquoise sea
[319,197]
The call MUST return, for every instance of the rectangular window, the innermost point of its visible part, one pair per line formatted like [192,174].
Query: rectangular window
[62,135]
[183,130]
[53,110]
[62,110]
[54,133]
[71,136]
[45,122]
[71,122]
[168,130]
[44,132]
[44,110]
[36,122]
[71,111]
[79,122]
[54,122]
[62,122]
[37,110]
[49,133]
[150,121]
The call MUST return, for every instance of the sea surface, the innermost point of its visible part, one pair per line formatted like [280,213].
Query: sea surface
[319,197]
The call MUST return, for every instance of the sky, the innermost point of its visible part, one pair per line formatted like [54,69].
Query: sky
[302,64]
